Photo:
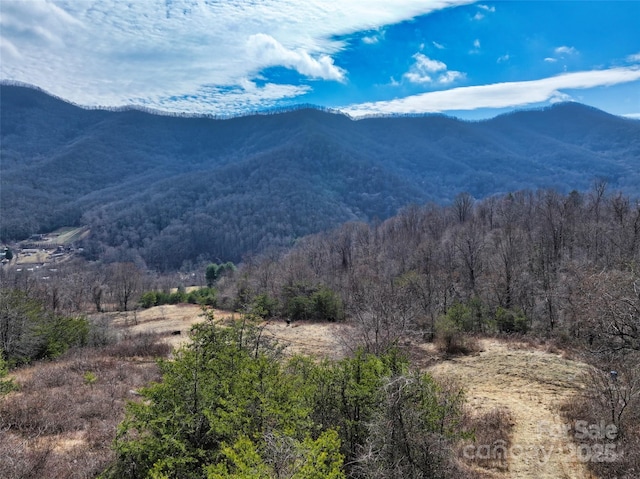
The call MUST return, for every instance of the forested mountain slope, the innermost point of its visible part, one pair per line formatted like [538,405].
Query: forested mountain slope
[170,189]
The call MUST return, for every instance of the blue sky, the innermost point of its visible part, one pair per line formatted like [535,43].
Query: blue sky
[458,57]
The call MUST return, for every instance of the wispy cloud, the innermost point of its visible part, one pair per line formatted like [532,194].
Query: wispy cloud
[109,52]
[635,58]
[563,53]
[498,95]
[426,70]
[230,101]
[374,38]
[565,50]
[450,76]
[476,47]
[483,10]
[9,49]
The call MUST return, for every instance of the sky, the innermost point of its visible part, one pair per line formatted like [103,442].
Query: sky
[462,58]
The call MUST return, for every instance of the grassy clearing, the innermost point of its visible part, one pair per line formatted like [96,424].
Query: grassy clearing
[513,390]
[530,384]
[316,339]
[67,235]
[39,257]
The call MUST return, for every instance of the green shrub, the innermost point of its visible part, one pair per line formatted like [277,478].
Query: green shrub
[28,331]
[451,339]
[317,303]
[6,385]
[510,321]
[326,305]
[265,306]
[202,296]
[61,333]
[149,299]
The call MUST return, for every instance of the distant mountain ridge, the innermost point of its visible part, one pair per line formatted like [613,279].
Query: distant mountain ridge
[169,189]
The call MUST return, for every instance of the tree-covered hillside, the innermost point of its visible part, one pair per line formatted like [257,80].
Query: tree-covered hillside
[166,190]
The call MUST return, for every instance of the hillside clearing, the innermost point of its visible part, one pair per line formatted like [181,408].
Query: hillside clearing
[531,384]
[529,381]
[319,339]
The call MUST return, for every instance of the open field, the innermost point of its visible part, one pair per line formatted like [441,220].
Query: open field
[530,381]
[320,339]
[68,235]
[39,257]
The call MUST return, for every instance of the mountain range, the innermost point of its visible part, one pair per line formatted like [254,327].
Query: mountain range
[173,190]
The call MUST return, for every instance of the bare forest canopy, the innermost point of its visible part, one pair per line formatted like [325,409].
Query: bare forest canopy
[552,264]
[172,191]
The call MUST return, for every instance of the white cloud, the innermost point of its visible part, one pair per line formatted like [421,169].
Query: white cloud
[485,9]
[44,25]
[450,77]
[109,52]
[224,102]
[634,58]
[565,50]
[376,37]
[498,95]
[426,70]
[476,47]
[424,63]
[550,60]
[267,51]
[439,46]
[8,48]
[503,58]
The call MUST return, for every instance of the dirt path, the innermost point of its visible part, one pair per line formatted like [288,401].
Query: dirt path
[531,384]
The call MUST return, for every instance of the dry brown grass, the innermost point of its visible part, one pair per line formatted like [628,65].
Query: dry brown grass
[304,337]
[493,428]
[39,257]
[325,340]
[514,386]
[530,384]
[62,420]
[514,389]
[164,321]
